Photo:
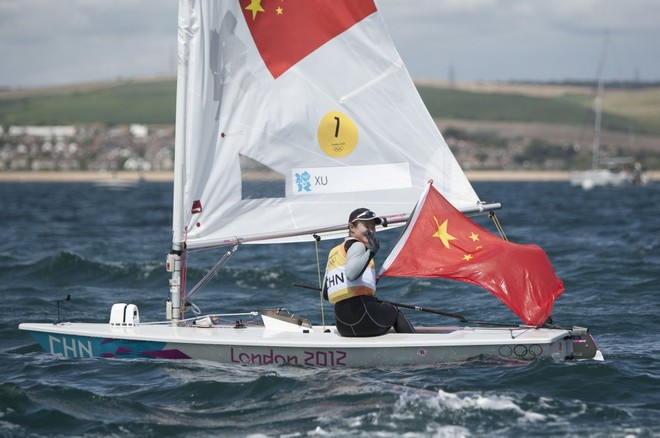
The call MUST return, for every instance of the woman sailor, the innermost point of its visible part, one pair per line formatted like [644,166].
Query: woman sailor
[350,282]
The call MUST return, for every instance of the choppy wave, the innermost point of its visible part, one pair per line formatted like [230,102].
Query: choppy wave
[67,269]
[201,399]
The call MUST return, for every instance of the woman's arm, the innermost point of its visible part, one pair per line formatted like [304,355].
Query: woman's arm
[357,259]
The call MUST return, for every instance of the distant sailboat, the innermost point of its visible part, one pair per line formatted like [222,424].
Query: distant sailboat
[118,183]
[283,129]
[613,172]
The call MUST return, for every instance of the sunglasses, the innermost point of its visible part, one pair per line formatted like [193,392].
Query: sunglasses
[365,215]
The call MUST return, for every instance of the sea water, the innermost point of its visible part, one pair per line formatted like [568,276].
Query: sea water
[100,247]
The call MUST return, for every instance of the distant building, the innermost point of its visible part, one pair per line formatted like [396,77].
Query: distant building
[134,147]
[50,132]
[139,131]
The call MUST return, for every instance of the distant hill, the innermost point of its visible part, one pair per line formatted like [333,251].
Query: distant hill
[148,101]
[152,101]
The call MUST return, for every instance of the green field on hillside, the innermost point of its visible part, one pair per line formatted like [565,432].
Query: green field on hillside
[153,102]
[567,109]
[132,102]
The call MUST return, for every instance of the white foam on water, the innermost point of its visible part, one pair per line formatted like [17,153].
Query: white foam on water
[488,402]
[447,404]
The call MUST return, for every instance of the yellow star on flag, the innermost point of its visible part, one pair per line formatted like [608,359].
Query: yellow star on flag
[255,6]
[279,10]
[442,233]
[467,257]
[474,237]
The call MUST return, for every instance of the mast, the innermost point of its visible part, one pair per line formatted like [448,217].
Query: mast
[598,108]
[174,258]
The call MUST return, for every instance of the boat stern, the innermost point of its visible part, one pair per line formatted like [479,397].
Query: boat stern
[584,345]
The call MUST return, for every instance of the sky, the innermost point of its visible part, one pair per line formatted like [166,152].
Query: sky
[59,42]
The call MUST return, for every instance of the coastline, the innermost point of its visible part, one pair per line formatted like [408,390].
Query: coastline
[164,176]
[84,176]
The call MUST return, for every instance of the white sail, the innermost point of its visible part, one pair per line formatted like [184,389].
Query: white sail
[263,152]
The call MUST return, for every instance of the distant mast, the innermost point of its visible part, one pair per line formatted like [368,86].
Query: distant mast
[598,103]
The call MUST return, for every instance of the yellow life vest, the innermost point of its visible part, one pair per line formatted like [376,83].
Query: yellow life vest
[338,286]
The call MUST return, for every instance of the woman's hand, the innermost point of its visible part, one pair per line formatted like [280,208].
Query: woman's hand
[372,244]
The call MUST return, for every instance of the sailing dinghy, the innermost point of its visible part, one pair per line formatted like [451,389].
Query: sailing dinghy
[613,172]
[289,116]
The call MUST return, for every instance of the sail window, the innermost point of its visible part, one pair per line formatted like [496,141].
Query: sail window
[259,181]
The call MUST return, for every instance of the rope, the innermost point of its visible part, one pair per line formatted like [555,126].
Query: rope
[500,229]
[318,273]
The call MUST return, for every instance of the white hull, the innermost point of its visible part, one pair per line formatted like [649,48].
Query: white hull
[606,178]
[290,344]
[116,184]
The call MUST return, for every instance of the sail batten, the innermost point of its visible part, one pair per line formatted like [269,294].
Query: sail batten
[372,83]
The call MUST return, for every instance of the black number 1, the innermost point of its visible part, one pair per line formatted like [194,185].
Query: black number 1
[337,127]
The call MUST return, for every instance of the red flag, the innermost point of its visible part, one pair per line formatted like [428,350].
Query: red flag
[439,241]
[287,31]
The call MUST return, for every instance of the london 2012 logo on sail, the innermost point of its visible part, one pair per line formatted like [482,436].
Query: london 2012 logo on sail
[305,181]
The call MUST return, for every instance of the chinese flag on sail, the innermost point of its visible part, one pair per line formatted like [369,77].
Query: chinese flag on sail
[439,241]
[287,31]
